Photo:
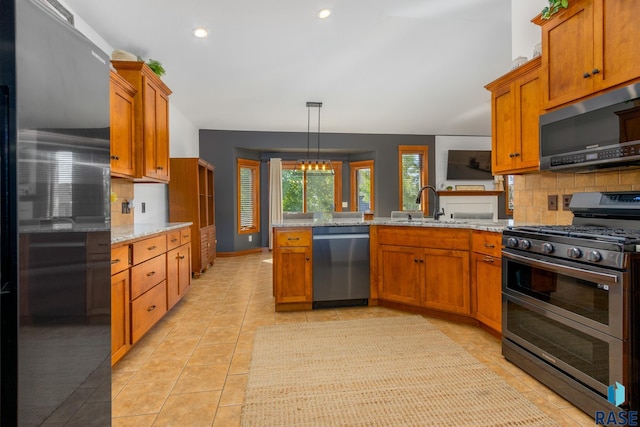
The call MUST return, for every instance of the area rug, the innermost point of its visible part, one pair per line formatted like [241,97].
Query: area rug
[396,371]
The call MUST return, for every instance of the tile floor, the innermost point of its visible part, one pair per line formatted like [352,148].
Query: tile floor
[191,368]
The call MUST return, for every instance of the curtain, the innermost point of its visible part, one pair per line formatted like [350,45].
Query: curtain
[275,195]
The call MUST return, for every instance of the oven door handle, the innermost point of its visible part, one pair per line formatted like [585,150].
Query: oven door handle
[579,273]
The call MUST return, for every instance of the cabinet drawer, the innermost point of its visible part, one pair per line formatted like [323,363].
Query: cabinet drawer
[424,237]
[300,237]
[147,310]
[148,274]
[120,259]
[149,248]
[173,239]
[487,243]
[185,235]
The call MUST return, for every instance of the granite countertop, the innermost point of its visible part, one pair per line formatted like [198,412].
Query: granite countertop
[474,224]
[122,233]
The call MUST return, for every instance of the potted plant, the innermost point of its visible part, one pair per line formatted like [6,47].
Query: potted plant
[156,67]
[553,8]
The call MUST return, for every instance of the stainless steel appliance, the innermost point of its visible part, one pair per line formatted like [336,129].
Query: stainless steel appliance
[340,266]
[571,301]
[55,302]
[600,132]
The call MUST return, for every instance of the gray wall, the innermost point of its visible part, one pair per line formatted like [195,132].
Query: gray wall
[222,148]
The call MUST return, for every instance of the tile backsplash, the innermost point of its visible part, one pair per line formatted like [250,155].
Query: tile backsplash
[531,192]
[122,190]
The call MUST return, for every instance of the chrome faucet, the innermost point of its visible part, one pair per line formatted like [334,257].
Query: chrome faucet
[437,213]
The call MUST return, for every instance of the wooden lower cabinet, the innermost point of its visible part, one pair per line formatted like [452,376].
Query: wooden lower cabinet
[120,322]
[148,277]
[446,280]
[400,275]
[178,274]
[486,276]
[426,267]
[292,269]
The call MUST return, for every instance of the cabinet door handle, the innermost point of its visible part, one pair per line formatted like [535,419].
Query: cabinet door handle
[586,75]
[421,260]
[151,273]
[488,245]
[307,258]
[151,248]
[181,256]
[487,259]
[150,309]
[160,168]
[415,260]
[115,158]
[115,261]
[595,71]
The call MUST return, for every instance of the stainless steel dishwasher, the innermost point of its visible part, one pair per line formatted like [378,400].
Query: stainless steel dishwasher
[340,266]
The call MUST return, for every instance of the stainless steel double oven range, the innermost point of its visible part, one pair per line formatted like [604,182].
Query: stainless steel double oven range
[570,301]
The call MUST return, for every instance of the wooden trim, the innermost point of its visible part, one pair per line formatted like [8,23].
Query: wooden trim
[254,166]
[470,193]
[337,186]
[240,253]
[414,149]
[355,167]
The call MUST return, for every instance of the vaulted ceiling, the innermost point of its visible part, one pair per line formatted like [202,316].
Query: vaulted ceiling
[378,66]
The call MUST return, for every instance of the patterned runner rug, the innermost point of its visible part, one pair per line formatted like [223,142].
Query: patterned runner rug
[397,371]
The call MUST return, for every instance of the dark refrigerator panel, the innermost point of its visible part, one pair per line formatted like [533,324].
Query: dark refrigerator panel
[55,212]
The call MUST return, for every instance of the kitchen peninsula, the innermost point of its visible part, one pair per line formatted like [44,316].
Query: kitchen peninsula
[426,266]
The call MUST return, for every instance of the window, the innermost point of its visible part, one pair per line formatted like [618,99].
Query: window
[311,191]
[248,196]
[412,169]
[362,186]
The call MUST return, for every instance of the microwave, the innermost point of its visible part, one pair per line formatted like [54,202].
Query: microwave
[597,133]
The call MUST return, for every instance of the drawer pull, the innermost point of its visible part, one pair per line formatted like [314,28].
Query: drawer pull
[174,240]
[151,273]
[150,309]
[486,259]
[115,261]
[293,238]
[151,248]
[487,245]
[186,236]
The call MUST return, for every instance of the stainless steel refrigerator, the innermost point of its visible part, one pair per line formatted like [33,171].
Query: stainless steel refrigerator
[55,305]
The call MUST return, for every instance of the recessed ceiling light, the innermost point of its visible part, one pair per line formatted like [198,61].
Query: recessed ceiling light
[324,13]
[200,32]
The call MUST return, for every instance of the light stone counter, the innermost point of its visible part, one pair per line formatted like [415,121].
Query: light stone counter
[123,233]
[484,225]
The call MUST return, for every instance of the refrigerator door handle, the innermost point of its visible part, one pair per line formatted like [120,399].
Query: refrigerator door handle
[4,190]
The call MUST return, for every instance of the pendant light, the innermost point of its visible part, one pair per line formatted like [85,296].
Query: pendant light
[314,165]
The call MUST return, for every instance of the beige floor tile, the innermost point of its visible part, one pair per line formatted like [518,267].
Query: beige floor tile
[201,378]
[141,398]
[134,421]
[234,388]
[240,363]
[228,416]
[198,355]
[193,410]
[215,354]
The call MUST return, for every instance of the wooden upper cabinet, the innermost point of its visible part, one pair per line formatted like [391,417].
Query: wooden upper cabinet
[151,121]
[589,47]
[516,104]
[122,127]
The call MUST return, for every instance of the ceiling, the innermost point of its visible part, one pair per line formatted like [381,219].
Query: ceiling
[378,66]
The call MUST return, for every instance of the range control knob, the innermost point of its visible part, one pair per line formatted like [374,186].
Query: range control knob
[525,244]
[574,253]
[512,242]
[547,248]
[594,256]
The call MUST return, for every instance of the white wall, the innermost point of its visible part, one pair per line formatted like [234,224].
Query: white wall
[183,136]
[446,143]
[524,33]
